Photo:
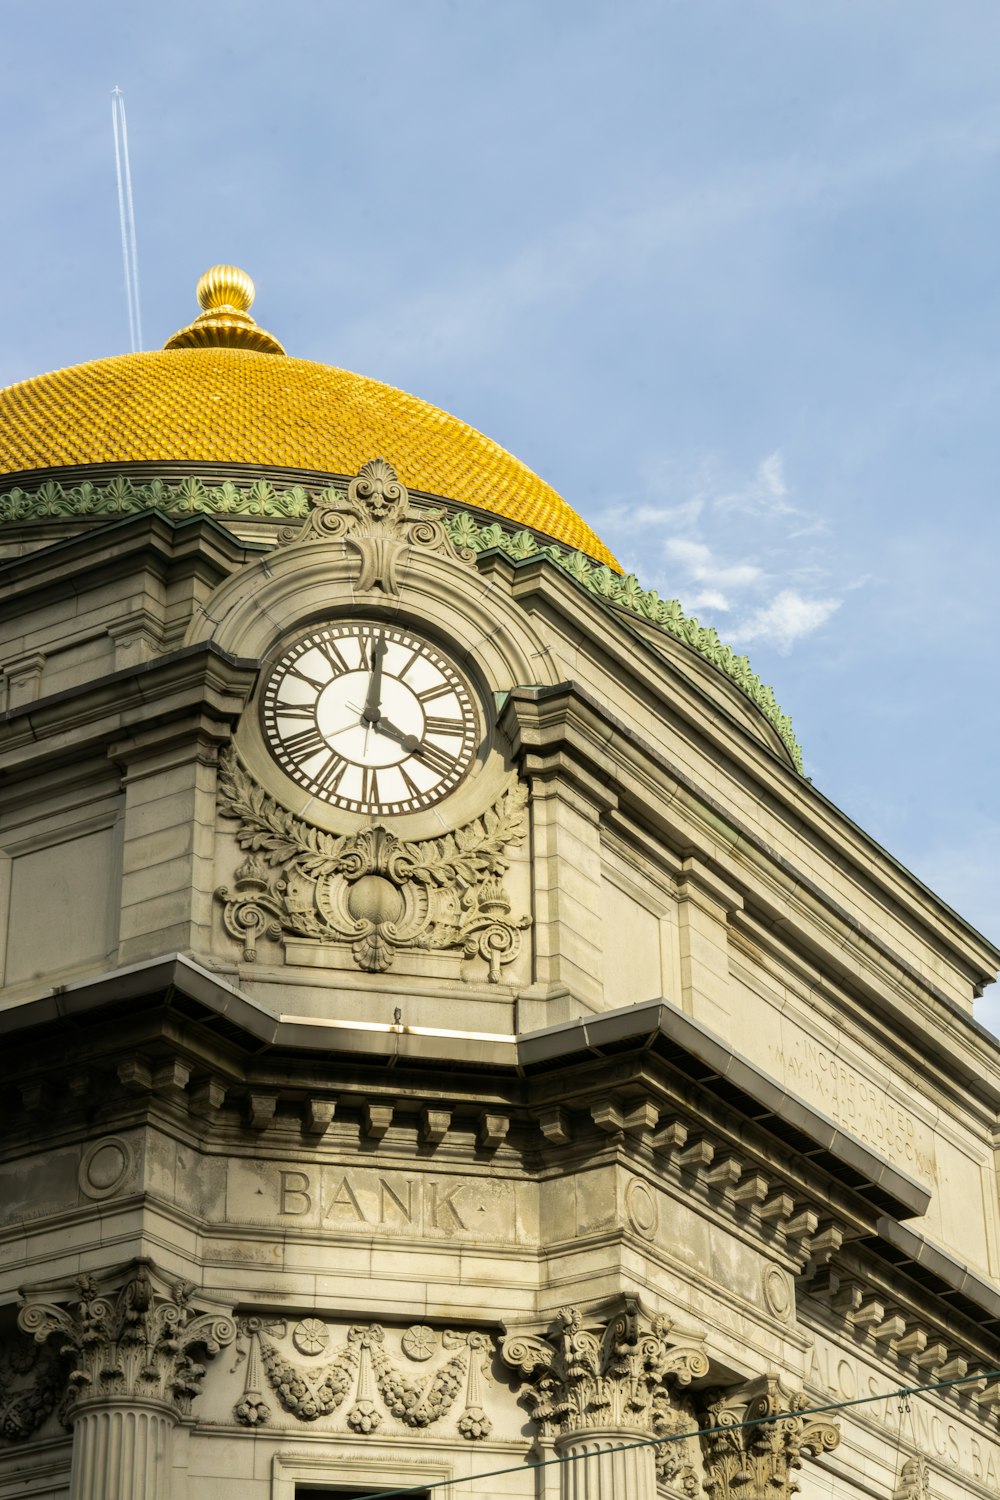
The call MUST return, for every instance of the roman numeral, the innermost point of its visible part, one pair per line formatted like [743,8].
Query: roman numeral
[429,694]
[439,760]
[329,778]
[333,654]
[408,664]
[307,742]
[411,785]
[369,784]
[296,711]
[313,682]
[434,725]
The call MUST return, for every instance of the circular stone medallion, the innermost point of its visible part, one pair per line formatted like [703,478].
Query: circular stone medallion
[106,1167]
[419,1342]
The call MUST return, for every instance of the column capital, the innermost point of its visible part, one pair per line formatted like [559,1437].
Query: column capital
[747,1462]
[137,1341]
[603,1373]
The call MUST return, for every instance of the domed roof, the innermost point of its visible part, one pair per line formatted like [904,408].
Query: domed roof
[224,392]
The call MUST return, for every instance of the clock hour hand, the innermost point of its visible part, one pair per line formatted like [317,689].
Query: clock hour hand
[432,756]
[373,703]
[409,742]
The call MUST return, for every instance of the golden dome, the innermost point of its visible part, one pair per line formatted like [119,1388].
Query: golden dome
[213,396]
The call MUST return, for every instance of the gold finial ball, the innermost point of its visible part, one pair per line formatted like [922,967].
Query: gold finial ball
[225,286]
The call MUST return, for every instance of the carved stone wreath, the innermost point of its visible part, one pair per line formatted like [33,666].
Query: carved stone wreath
[372,890]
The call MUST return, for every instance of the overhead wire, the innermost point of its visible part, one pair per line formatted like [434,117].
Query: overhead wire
[902,1393]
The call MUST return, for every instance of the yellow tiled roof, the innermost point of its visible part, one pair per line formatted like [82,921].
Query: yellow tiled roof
[234,405]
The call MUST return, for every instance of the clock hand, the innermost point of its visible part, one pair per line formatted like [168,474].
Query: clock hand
[409,742]
[441,761]
[373,702]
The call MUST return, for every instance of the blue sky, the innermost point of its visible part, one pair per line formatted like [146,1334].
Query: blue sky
[724,272]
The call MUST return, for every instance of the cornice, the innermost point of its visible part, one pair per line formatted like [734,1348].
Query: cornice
[200,684]
[122,494]
[566,725]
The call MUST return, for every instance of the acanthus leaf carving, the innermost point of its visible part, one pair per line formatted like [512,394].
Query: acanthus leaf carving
[373,520]
[144,1339]
[760,1440]
[371,889]
[621,1374]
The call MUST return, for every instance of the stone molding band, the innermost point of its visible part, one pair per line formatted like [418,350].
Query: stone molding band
[262,499]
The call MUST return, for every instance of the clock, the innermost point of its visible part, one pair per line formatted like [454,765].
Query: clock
[369,717]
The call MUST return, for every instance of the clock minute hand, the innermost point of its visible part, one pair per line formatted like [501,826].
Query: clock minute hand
[373,703]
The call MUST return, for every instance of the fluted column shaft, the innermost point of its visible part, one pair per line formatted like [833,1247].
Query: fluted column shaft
[604,1467]
[122,1451]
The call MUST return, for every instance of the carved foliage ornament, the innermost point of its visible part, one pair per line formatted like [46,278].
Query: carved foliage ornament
[374,520]
[914,1480]
[136,1342]
[361,1372]
[742,1462]
[371,889]
[618,1375]
[32,1380]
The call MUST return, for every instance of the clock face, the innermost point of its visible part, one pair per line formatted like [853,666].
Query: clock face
[370,718]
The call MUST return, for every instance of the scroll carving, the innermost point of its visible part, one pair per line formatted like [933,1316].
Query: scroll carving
[143,1340]
[362,1379]
[374,521]
[372,890]
[622,1374]
[914,1480]
[747,1462]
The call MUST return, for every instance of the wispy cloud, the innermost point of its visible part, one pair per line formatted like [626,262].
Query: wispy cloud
[783,621]
[765,491]
[740,545]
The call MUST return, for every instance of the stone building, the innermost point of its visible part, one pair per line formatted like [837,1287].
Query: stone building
[443,1033]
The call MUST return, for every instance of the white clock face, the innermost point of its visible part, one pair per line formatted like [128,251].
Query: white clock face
[370,718]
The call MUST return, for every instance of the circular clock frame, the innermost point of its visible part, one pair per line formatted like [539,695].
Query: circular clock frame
[370,717]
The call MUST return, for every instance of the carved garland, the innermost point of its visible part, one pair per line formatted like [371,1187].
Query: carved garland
[361,1366]
[32,1381]
[371,889]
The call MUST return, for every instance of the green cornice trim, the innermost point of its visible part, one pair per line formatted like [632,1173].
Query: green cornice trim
[121,496]
[625,591]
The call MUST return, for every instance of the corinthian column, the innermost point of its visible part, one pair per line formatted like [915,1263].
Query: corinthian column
[759,1461]
[135,1367]
[599,1390]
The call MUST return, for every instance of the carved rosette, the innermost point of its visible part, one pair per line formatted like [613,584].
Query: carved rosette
[142,1343]
[747,1462]
[359,1375]
[622,1375]
[371,890]
[374,521]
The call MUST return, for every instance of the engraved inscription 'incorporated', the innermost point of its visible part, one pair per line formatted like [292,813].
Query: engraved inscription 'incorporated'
[854,1101]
